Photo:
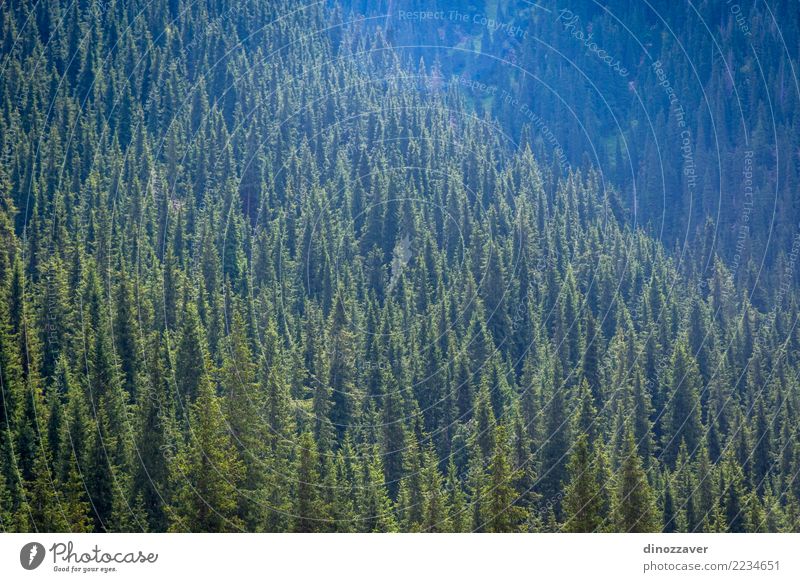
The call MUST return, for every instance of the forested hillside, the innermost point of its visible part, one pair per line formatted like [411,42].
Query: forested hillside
[263,270]
[692,109]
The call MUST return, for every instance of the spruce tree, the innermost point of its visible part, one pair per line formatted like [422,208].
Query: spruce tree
[635,506]
[207,471]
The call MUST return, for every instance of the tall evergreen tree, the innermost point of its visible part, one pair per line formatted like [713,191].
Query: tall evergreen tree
[635,505]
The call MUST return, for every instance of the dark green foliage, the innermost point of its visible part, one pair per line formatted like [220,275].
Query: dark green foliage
[584,496]
[634,504]
[320,289]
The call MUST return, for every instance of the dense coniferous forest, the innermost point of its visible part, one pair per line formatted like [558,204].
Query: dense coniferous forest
[281,266]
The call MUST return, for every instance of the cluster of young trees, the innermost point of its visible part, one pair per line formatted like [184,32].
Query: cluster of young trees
[259,273]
